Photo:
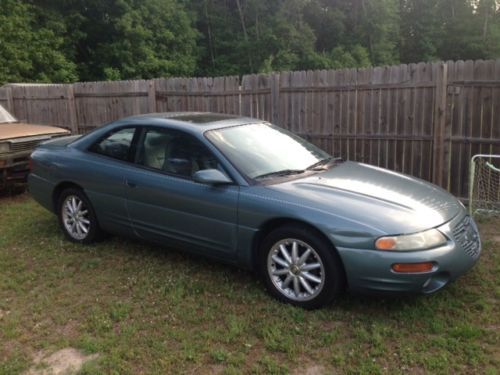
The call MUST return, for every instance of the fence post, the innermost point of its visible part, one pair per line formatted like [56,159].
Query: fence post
[73,121]
[10,99]
[151,96]
[275,99]
[439,123]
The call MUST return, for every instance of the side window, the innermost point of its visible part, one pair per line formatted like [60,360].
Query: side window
[115,145]
[174,152]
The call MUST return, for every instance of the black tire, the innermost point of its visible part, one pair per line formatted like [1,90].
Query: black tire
[330,270]
[94,232]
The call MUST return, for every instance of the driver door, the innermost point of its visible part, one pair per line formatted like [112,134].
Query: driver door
[164,202]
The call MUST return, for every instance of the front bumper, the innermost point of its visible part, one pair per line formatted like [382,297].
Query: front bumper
[14,169]
[369,271]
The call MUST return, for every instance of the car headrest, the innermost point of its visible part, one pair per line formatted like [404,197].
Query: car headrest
[157,140]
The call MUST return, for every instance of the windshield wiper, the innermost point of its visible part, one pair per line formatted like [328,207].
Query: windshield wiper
[320,164]
[283,172]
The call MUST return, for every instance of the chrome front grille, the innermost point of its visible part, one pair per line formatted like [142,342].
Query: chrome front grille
[467,236]
[24,146]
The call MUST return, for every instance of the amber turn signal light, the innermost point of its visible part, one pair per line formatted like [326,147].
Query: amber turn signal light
[412,267]
[385,243]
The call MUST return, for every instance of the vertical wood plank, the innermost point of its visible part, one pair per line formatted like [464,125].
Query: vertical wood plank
[73,121]
[457,155]
[152,96]
[10,100]
[428,126]
[441,77]
[384,118]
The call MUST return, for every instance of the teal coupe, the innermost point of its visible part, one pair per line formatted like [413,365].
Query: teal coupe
[246,192]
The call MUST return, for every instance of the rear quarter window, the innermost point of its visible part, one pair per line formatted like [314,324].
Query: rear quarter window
[115,145]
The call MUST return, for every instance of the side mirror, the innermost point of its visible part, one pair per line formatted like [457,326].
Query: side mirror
[211,177]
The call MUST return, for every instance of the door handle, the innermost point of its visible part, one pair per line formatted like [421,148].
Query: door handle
[130,184]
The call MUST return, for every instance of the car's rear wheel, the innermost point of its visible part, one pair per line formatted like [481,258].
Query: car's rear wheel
[77,217]
[300,267]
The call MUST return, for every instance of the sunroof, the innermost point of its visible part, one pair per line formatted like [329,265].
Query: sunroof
[204,118]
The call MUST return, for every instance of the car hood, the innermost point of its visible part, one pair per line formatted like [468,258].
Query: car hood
[378,198]
[18,130]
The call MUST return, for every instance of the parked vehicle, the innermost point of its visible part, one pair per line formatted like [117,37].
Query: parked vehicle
[252,194]
[17,141]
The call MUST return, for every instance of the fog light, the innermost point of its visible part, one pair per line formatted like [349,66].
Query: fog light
[412,267]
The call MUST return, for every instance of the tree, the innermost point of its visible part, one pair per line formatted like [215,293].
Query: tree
[488,18]
[61,41]
[356,57]
[125,39]
[419,30]
[251,36]
[30,52]
[287,42]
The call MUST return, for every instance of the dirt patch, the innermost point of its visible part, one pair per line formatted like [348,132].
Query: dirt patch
[69,330]
[3,313]
[489,227]
[493,327]
[311,370]
[13,195]
[214,370]
[65,361]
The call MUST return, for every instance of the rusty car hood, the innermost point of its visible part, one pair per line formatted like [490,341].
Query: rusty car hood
[19,130]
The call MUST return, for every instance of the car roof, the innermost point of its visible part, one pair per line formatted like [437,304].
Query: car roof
[192,122]
[197,121]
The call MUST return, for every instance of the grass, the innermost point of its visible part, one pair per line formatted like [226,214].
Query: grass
[147,309]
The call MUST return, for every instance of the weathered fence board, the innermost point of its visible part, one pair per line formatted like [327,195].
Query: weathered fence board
[473,114]
[100,102]
[425,119]
[44,104]
[220,94]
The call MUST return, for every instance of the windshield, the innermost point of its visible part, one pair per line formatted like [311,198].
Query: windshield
[261,150]
[6,117]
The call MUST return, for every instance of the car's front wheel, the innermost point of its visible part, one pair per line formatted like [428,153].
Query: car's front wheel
[299,267]
[77,218]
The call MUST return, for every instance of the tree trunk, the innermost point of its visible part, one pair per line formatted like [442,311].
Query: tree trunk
[485,24]
[245,35]
[209,32]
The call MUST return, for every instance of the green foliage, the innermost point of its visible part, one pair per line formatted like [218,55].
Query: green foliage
[357,57]
[126,39]
[418,30]
[64,41]
[30,51]
[449,30]
[153,38]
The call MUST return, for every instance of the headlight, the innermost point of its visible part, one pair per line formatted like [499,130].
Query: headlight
[4,147]
[417,241]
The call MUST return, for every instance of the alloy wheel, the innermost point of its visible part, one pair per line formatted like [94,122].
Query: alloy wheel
[75,217]
[296,269]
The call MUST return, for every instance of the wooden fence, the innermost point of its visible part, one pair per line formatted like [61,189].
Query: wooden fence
[424,119]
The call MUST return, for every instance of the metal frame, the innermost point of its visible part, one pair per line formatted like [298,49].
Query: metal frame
[472,171]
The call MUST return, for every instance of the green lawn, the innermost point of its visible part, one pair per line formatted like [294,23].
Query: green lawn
[147,309]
